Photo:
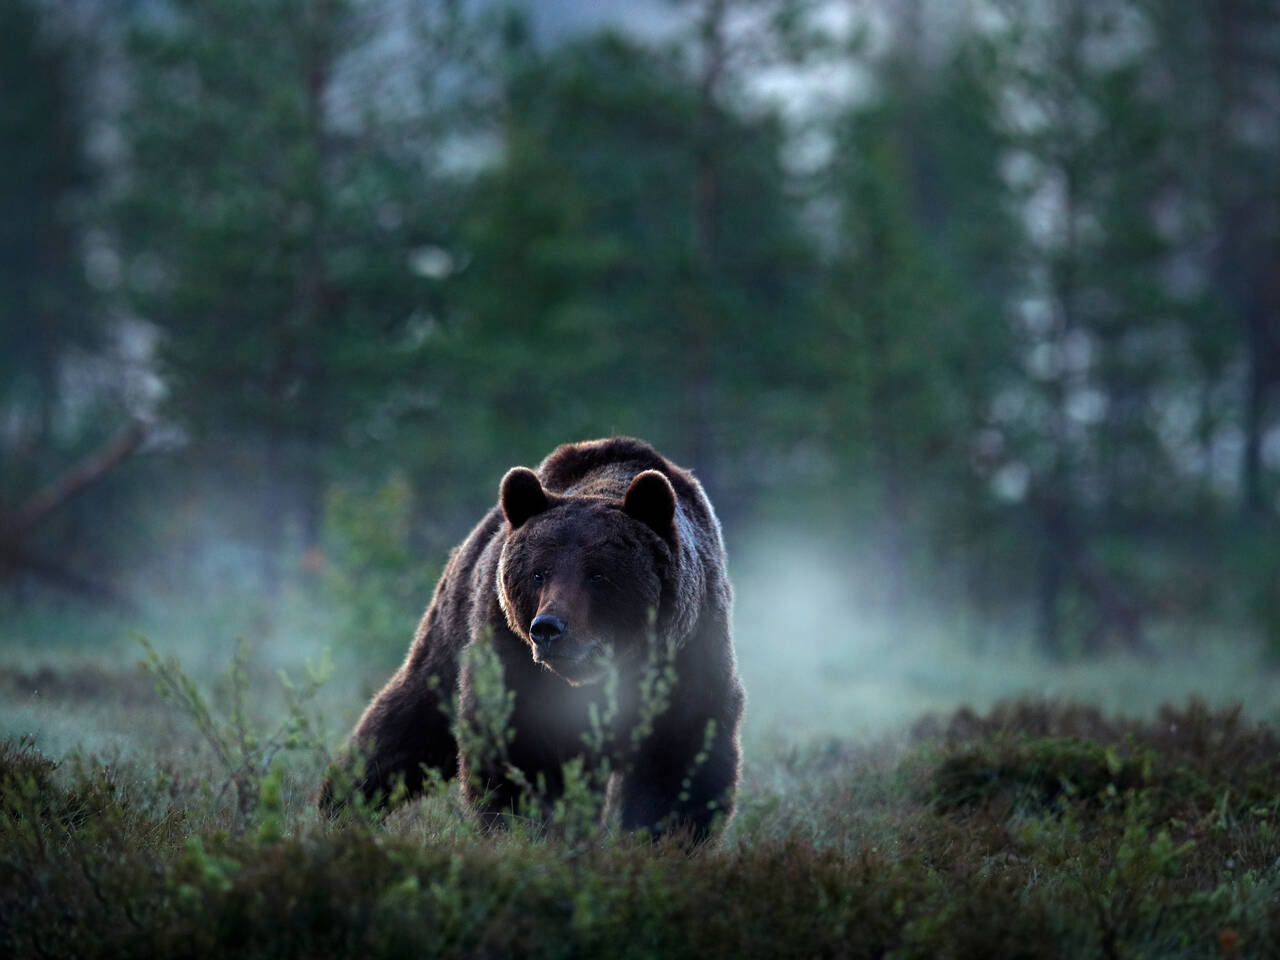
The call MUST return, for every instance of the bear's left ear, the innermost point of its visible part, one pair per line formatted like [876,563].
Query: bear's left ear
[652,500]
[521,496]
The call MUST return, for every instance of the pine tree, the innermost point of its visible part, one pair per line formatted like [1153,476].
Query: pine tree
[276,225]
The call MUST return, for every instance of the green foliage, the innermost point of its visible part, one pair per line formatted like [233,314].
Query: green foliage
[578,814]
[486,732]
[1003,316]
[247,757]
[272,237]
[1038,775]
[373,581]
[1009,315]
[99,862]
[591,305]
[915,347]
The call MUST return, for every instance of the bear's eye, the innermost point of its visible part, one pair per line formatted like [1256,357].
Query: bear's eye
[595,577]
[540,576]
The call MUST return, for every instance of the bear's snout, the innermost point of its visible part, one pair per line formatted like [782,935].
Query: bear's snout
[560,650]
[546,630]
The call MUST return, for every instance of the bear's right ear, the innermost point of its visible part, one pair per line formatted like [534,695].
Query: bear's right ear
[652,500]
[521,496]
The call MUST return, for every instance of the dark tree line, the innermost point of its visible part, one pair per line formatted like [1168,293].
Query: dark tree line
[1005,311]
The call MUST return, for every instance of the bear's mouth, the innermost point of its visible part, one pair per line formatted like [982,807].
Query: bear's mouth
[565,657]
[577,664]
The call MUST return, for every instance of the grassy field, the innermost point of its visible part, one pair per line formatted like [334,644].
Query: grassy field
[909,790]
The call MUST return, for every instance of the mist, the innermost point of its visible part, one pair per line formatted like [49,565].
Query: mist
[823,659]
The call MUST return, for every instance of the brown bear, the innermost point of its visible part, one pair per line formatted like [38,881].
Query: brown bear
[595,581]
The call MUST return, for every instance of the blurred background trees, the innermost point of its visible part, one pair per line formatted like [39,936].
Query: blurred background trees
[987,295]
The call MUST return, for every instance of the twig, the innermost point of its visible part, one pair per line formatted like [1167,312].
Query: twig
[78,478]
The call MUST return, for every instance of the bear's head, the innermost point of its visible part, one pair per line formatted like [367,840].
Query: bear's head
[581,578]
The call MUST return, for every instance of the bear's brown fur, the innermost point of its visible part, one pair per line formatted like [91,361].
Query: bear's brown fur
[608,554]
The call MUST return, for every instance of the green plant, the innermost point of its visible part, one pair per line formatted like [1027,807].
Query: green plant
[374,581]
[850,855]
[245,755]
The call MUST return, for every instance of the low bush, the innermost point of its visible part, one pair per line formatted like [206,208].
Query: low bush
[1038,830]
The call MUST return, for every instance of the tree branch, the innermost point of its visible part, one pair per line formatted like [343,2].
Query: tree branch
[78,478]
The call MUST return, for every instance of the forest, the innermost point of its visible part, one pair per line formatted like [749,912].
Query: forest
[966,316]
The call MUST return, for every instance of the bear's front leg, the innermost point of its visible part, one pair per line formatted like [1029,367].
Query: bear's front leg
[496,797]
[677,785]
[502,772]
[403,730]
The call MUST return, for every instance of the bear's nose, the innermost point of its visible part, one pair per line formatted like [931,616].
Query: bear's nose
[546,629]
